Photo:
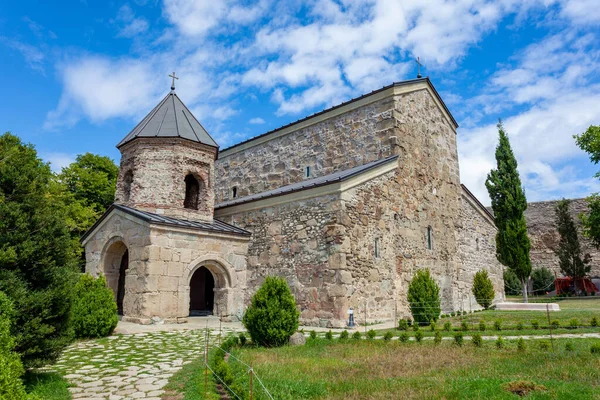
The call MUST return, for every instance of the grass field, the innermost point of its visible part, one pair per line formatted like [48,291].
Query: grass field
[47,385]
[376,369]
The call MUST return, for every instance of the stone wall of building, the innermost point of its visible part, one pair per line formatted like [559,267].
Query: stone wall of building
[544,236]
[153,172]
[476,251]
[357,137]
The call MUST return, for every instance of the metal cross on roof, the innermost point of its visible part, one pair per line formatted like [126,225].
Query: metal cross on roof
[174,77]
[418,68]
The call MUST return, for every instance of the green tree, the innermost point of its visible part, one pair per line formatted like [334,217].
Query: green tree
[542,280]
[512,284]
[483,290]
[509,204]
[424,298]
[11,368]
[272,316]
[569,250]
[37,263]
[589,141]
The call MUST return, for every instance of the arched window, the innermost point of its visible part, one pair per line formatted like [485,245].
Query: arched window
[192,192]
[234,192]
[127,181]
[429,239]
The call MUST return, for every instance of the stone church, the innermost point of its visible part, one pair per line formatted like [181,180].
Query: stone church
[345,204]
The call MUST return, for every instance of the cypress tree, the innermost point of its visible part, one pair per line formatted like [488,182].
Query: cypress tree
[569,250]
[509,204]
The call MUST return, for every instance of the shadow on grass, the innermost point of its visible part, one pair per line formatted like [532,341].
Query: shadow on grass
[47,385]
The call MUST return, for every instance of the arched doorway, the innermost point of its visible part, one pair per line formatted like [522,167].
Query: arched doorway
[116,263]
[202,294]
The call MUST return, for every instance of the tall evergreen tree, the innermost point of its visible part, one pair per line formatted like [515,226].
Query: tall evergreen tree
[589,141]
[569,250]
[509,204]
[37,256]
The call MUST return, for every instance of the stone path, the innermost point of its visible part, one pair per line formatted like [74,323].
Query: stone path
[124,367]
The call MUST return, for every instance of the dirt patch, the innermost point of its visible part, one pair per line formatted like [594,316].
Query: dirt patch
[522,388]
[172,395]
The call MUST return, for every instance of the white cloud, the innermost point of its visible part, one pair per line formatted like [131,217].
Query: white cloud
[32,55]
[58,160]
[131,25]
[256,121]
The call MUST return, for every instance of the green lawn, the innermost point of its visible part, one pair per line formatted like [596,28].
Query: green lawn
[388,370]
[47,385]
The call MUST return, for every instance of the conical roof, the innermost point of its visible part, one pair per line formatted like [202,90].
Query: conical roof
[170,119]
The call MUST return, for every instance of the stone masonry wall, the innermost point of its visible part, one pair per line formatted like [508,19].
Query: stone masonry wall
[159,168]
[544,236]
[476,251]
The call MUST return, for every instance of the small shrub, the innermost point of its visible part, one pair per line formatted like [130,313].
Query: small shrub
[498,325]
[573,323]
[402,325]
[371,334]
[329,335]
[555,324]
[344,335]
[11,386]
[356,335]
[424,297]
[500,343]
[464,326]
[432,327]
[313,335]
[452,314]
[415,327]
[569,346]
[521,344]
[535,324]
[409,322]
[595,348]
[388,336]
[594,322]
[419,336]
[437,339]
[272,316]
[520,326]
[447,326]
[544,345]
[403,337]
[94,310]
[458,339]
[464,313]
[483,289]
[243,339]
[482,326]
[477,340]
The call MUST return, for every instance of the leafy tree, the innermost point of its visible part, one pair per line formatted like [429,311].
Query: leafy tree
[512,284]
[424,298]
[272,316]
[509,204]
[543,280]
[589,141]
[483,290]
[11,370]
[569,250]
[37,265]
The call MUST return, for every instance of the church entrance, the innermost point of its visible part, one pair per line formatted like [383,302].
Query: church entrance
[202,294]
[116,264]
[121,285]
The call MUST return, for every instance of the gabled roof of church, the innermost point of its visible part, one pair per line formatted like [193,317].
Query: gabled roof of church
[170,119]
[215,226]
[339,176]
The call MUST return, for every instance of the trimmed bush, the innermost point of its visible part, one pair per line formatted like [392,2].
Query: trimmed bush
[403,337]
[595,349]
[573,323]
[424,298]
[482,326]
[520,326]
[371,334]
[458,338]
[594,322]
[344,335]
[464,326]
[535,324]
[313,335]
[521,344]
[272,316]
[403,325]
[544,345]
[356,335]
[419,336]
[555,324]
[447,326]
[243,339]
[500,343]
[569,346]
[11,368]
[432,327]
[388,336]
[477,340]
[483,290]
[94,310]
[498,325]
[329,335]
[437,339]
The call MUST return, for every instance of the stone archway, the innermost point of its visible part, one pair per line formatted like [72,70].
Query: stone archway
[114,267]
[202,292]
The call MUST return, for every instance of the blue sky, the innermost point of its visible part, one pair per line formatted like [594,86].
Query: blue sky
[77,78]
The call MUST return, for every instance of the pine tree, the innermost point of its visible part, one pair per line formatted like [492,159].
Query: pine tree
[569,250]
[509,204]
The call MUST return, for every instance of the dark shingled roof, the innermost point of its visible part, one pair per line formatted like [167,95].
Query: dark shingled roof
[170,119]
[155,219]
[309,184]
